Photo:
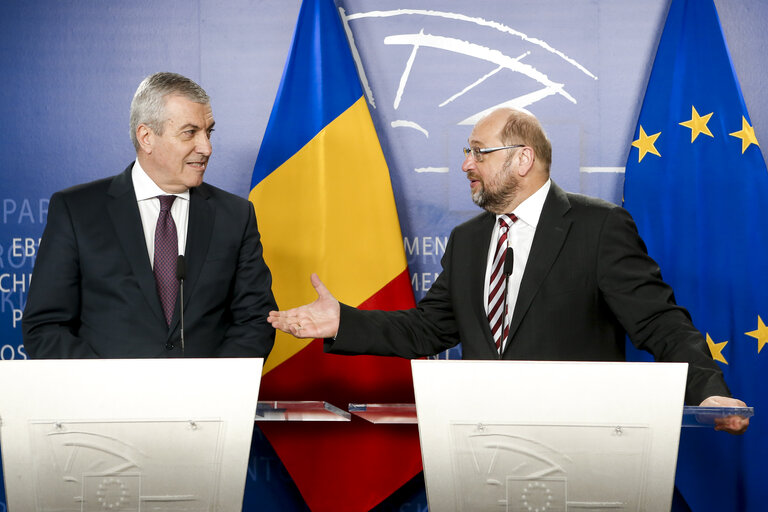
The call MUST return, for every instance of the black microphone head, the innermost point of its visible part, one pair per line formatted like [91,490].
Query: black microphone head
[181,268]
[509,260]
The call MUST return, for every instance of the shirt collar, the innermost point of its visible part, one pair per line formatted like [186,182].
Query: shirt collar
[529,210]
[145,188]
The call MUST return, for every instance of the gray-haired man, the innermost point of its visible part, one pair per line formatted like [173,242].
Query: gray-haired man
[105,282]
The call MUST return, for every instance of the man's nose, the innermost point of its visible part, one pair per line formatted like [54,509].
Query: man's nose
[203,144]
[469,163]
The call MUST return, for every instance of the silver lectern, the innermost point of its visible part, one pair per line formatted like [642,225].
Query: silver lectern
[548,436]
[128,435]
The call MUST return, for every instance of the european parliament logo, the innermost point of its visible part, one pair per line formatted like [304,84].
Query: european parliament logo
[503,66]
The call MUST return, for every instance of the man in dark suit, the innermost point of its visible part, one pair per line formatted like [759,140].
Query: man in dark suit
[577,278]
[105,279]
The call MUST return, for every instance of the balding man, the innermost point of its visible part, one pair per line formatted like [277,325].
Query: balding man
[540,275]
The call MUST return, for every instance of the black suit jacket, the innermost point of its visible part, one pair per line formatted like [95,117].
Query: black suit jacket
[93,293]
[587,283]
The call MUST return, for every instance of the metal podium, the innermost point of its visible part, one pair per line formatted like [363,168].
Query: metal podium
[549,436]
[128,435]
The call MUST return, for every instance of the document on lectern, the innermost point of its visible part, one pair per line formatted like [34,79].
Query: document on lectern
[127,435]
[548,436]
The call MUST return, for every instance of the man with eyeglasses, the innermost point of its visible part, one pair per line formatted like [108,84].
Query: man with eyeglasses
[540,275]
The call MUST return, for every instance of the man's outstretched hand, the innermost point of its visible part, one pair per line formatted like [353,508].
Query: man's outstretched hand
[319,319]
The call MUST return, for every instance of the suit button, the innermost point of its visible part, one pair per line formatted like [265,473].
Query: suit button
[169,346]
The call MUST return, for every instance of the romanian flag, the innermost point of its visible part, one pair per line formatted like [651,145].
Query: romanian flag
[697,185]
[324,202]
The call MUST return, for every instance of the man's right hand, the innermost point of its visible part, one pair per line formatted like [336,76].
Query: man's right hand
[319,319]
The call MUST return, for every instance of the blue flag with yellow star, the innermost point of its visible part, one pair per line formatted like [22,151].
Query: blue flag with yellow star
[697,186]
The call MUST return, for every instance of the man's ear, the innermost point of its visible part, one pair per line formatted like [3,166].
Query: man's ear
[525,158]
[145,136]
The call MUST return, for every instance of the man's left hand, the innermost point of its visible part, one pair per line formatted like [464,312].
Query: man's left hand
[732,424]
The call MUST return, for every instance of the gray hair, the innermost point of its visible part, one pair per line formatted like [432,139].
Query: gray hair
[148,105]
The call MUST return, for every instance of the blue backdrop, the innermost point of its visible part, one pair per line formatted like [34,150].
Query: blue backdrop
[429,67]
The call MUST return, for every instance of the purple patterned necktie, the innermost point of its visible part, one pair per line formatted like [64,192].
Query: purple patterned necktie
[166,253]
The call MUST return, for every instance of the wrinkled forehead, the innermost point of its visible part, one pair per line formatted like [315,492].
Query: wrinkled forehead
[181,110]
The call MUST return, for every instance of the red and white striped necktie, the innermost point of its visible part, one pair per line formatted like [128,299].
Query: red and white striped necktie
[497,286]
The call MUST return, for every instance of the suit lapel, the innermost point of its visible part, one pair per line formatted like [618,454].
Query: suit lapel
[199,232]
[550,235]
[124,214]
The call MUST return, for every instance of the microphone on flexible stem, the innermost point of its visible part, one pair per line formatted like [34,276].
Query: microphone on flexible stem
[509,260]
[181,274]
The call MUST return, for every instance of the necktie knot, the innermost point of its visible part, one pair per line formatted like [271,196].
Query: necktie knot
[166,202]
[506,220]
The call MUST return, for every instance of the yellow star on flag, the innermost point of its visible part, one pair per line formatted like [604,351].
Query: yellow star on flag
[761,333]
[698,124]
[646,144]
[746,134]
[716,349]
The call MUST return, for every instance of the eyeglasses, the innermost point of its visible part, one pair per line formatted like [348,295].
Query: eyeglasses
[477,153]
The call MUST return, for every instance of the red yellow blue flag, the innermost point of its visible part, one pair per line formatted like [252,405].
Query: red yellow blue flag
[323,198]
[697,186]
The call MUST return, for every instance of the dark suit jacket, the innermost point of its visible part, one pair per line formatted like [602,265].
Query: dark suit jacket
[93,293]
[587,283]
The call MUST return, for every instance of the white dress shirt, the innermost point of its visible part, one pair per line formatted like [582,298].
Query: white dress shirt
[520,239]
[149,208]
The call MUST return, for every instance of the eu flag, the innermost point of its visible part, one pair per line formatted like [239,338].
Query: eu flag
[697,186]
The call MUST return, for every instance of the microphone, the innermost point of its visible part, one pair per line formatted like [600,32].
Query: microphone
[509,260]
[181,274]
